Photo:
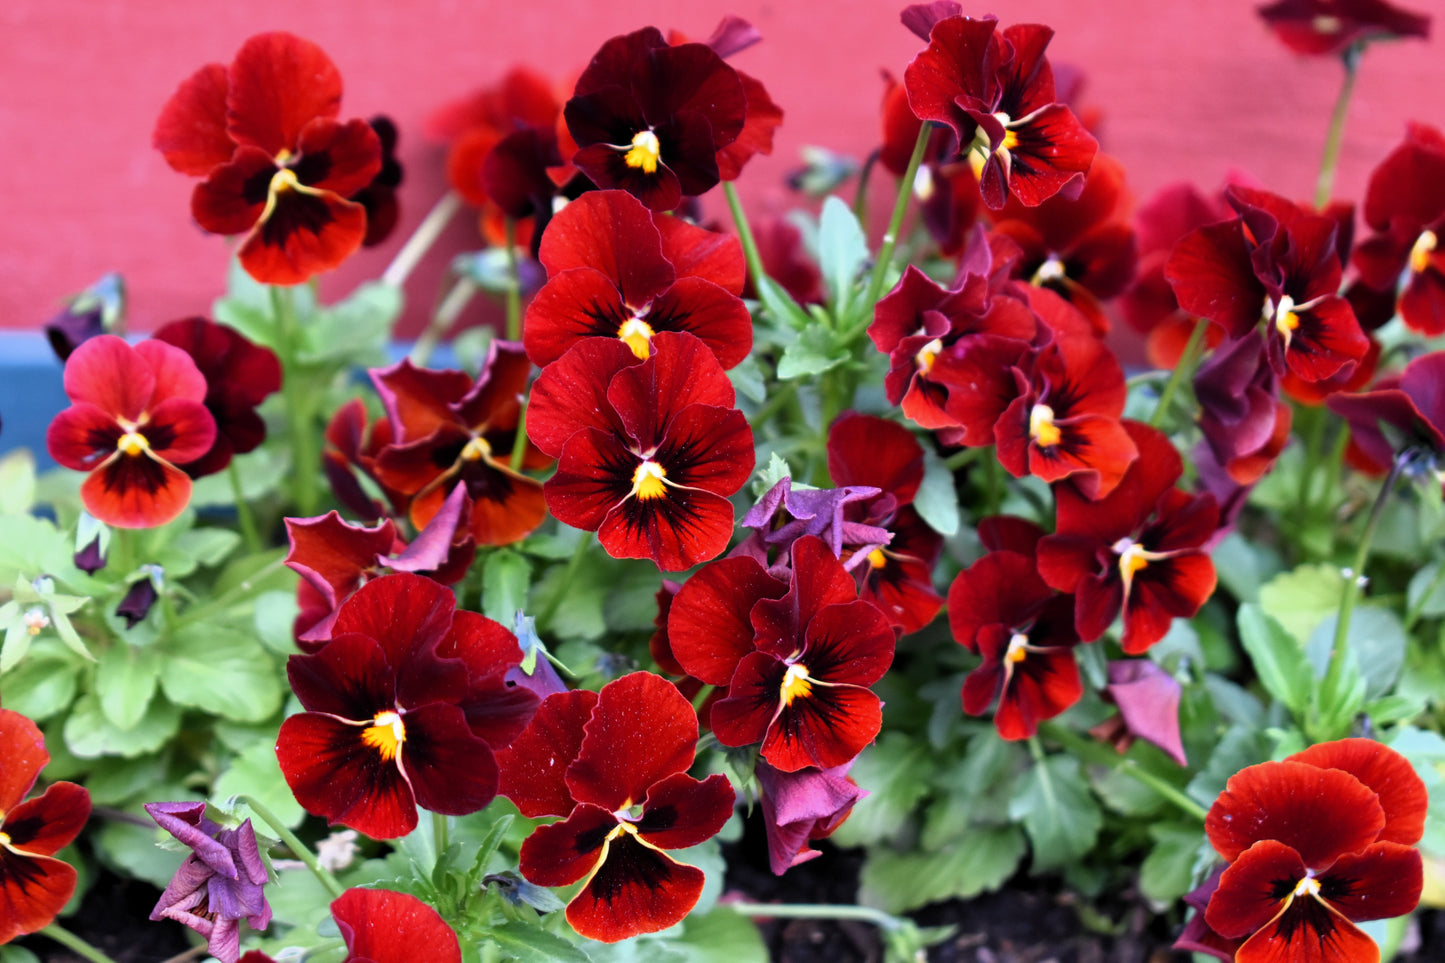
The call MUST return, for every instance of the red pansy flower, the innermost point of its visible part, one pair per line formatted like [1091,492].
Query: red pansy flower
[1330,27]
[277,164]
[382,926]
[996,92]
[785,261]
[617,270]
[136,413]
[1401,413]
[239,376]
[615,765]
[650,118]
[405,706]
[1139,550]
[1315,844]
[649,450]
[34,885]
[353,441]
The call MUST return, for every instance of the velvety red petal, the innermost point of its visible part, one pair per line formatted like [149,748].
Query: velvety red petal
[388,927]
[826,728]
[419,401]
[1053,153]
[903,588]
[570,394]
[702,308]
[753,700]
[594,477]
[1094,450]
[819,580]
[506,506]
[108,373]
[340,158]
[233,197]
[708,625]
[1422,303]
[562,853]
[335,775]
[636,890]
[1327,339]
[136,491]
[641,731]
[1410,181]
[1377,883]
[1044,684]
[278,84]
[578,303]
[848,644]
[699,253]
[1400,790]
[1171,588]
[82,436]
[684,528]
[334,555]
[950,68]
[33,891]
[681,372]
[1002,588]
[404,613]
[48,823]
[305,233]
[875,452]
[179,430]
[450,769]
[1212,277]
[682,812]
[1309,931]
[708,448]
[23,746]
[1105,520]
[534,766]
[349,677]
[1254,888]
[762,119]
[191,130]
[982,376]
[1097,601]
[613,233]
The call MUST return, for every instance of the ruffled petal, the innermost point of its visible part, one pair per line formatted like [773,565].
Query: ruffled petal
[278,84]
[534,766]
[388,927]
[337,776]
[637,889]
[33,891]
[136,491]
[641,731]
[451,770]
[48,823]
[1400,790]
[709,627]
[24,755]
[303,233]
[681,811]
[191,130]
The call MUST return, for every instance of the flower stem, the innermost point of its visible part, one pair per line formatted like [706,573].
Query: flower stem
[818,911]
[446,315]
[298,848]
[519,446]
[745,235]
[895,223]
[1094,753]
[244,518]
[779,400]
[235,594]
[422,239]
[1330,160]
[74,943]
[441,833]
[514,289]
[305,459]
[1183,369]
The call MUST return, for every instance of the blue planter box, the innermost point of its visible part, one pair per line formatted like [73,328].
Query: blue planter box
[31,393]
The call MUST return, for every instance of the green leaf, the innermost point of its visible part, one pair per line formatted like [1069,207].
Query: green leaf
[275,615]
[811,353]
[842,249]
[529,943]
[505,578]
[780,304]
[1427,592]
[90,734]
[132,850]
[17,482]
[1244,566]
[255,772]
[39,687]
[1278,659]
[115,782]
[1301,599]
[720,936]
[125,681]
[1168,870]
[937,498]
[207,546]
[580,614]
[749,381]
[221,671]
[17,954]
[29,545]
[896,771]
[1375,642]
[1058,812]
[1241,746]
[353,331]
[981,862]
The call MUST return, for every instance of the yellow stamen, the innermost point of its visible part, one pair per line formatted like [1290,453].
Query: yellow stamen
[1010,138]
[619,829]
[1309,886]
[284,180]
[644,153]
[385,734]
[133,443]
[637,335]
[1017,648]
[1327,24]
[795,684]
[877,559]
[647,481]
[926,354]
[477,449]
[1042,428]
[4,839]
[282,156]
[1286,319]
[1425,246]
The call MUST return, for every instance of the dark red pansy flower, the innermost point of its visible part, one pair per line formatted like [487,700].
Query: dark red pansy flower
[379,197]
[136,413]
[803,692]
[382,926]
[278,165]
[451,431]
[1405,207]
[1315,844]
[800,807]
[650,453]
[786,261]
[239,376]
[1244,422]
[34,885]
[650,118]
[1000,609]
[995,91]
[1330,27]
[1400,414]
[1138,551]
[615,763]
[353,441]
[405,706]
[617,270]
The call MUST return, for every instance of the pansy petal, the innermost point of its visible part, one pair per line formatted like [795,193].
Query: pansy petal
[45,825]
[388,927]
[1254,888]
[848,644]
[825,728]
[1213,278]
[403,612]
[612,233]
[681,811]
[534,766]
[340,158]
[753,700]
[684,528]
[136,491]
[33,891]
[278,84]
[708,625]
[1377,883]
[570,394]
[305,233]
[561,853]
[180,430]
[25,756]
[819,580]
[450,769]
[641,731]
[1309,930]
[578,303]
[702,308]
[191,130]
[1400,790]
[697,252]
[636,890]
[875,452]
[110,374]
[681,372]
[337,776]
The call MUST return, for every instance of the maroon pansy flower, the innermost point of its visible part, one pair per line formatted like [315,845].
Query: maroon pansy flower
[382,926]
[353,441]
[801,807]
[136,413]
[617,270]
[1138,551]
[277,164]
[379,197]
[1244,422]
[615,765]
[650,118]
[239,376]
[1401,413]
[404,705]
[34,885]
[1330,27]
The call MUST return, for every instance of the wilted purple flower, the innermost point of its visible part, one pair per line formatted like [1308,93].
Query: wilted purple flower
[220,883]
[94,311]
[142,595]
[783,515]
[802,806]
[1148,701]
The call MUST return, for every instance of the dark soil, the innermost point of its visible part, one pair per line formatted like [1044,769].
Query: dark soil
[114,917]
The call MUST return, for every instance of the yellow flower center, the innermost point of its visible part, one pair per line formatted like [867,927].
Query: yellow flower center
[1132,559]
[647,481]
[1017,648]
[1309,886]
[1425,246]
[1286,319]
[477,449]
[1327,24]
[284,180]
[1010,138]
[4,839]
[926,354]
[620,829]
[132,443]
[877,559]
[1050,270]
[385,734]
[1042,428]
[796,684]
[637,335]
[644,153]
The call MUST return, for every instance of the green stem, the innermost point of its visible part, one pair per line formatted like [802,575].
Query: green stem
[958,459]
[817,911]
[1094,753]
[244,518]
[446,315]
[519,446]
[544,620]
[441,833]
[745,235]
[298,848]
[222,602]
[1418,609]
[122,551]
[74,943]
[895,222]
[1183,369]
[1324,186]
[305,458]
[779,400]
[514,289]
[422,239]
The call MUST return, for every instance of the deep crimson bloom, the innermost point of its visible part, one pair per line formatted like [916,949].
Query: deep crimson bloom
[1245,424]
[34,886]
[382,926]
[353,441]
[451,431]
[800,807]
[1330,27]
[277,164]
[786,261]
[406,704]
[1000,609]
[650,118]
[379,197]
[996,92]
[615,765]
[136,413]
[1401,413]
[617,270]
[239,376]
[649,450]
[1315,844]
[1138,551]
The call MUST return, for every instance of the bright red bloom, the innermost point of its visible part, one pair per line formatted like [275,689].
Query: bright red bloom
[239,376]
[615,765]
[1330,27]
[452,431]
[277,164]
[406,704]
[34,886]
[1139,551]
[382,926]
[136,413]
[617,270]
[1401,413]
[996,92]
[1315,844]
[649,450]
[650,118]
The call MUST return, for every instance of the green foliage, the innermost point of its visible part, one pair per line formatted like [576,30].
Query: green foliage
[1058,812]
[978,862]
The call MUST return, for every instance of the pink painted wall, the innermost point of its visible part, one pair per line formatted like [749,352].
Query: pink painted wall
[1189,89]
